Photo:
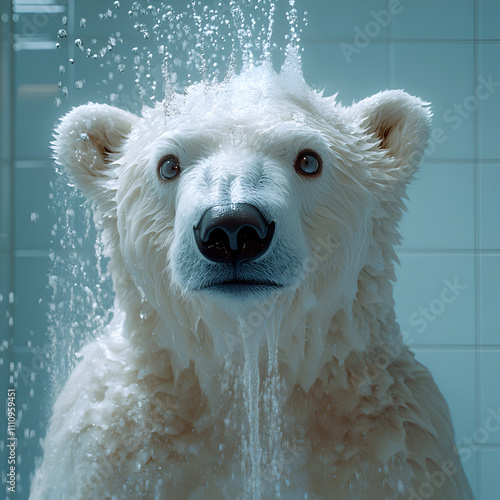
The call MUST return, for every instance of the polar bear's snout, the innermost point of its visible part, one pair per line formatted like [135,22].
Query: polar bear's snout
[233,233]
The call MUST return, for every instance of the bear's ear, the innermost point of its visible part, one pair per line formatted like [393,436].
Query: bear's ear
[400,123]
[86,143]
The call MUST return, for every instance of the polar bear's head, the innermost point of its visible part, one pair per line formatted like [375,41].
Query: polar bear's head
[251,187]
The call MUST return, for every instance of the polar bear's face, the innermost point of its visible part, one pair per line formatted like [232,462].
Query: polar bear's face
[254,185]
[238,191]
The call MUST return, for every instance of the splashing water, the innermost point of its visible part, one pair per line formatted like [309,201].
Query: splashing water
[205,44]
[81,288]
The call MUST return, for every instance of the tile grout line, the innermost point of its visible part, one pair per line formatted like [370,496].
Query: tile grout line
[477,258]
[390,62]
[12,229]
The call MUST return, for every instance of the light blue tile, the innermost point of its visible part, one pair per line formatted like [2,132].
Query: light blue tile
[489,477]
[489,17]
[490,300]
[34,219]
[325,67]
[37,76]
[435,19]
[489,206]
[432,305]
[32,298]
[36,116]
[441,208]
[443,75]
[454,374]
[488,88]
[357,21]
[34,67]
[489,398]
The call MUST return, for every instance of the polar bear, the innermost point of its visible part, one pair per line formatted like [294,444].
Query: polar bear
[254,350]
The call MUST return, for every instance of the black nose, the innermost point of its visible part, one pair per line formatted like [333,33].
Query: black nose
[233,233]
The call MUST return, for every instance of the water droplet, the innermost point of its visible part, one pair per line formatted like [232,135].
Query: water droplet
[62,33]
[79,42]
[11,297]
[83,23]
[62,69]
[72,61]
[116,4]
[58,45]
[34,216]
[64,20]
[79,84]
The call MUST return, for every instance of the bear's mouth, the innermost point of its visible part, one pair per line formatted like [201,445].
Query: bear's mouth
[241,287]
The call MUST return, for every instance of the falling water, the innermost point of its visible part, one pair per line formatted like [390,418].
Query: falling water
[252,452]
[203,43]
[81,286]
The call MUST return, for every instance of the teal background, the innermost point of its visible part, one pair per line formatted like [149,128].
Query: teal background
[440,50]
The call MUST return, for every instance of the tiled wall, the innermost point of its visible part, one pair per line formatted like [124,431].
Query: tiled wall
[441,50]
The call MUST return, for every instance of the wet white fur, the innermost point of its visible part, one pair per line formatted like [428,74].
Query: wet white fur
[364,434]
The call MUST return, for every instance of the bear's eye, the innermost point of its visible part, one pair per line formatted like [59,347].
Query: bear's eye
[168,167]
[308,163]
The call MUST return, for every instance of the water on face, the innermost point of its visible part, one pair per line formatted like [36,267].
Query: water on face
[203,43]
[263,394]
